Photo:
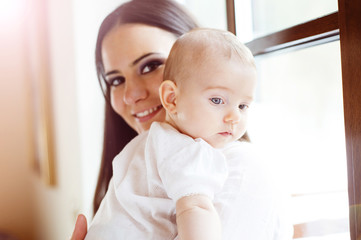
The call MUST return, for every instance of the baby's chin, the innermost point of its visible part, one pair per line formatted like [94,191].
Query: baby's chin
[217,144]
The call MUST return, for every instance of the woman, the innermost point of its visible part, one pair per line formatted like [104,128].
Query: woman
[133,43]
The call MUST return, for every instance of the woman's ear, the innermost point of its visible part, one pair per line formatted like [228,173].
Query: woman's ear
[167,94]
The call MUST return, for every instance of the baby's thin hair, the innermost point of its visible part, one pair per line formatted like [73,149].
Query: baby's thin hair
[192,49]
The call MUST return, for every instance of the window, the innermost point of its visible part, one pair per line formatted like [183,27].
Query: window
[300,96]
[312,103]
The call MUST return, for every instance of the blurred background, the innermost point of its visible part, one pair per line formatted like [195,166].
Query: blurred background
[52,112]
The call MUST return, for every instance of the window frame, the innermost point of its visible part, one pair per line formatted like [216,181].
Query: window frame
[342,25]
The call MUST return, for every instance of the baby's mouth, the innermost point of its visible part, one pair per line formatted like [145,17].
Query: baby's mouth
[225,134]
[148,112]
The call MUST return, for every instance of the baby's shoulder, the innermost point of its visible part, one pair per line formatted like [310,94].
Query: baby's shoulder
[164,136]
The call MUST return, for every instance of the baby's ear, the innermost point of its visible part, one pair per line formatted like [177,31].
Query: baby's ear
[167,93]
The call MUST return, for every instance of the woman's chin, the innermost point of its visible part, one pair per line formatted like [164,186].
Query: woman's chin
[144,123]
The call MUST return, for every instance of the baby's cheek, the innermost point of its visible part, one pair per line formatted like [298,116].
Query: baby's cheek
[187,125]
[242,127]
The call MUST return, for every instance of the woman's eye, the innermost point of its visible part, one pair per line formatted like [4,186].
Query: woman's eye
[116,81]
[243,107]
[216,100]
[150,67]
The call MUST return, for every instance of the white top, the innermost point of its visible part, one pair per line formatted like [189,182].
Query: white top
[161,165]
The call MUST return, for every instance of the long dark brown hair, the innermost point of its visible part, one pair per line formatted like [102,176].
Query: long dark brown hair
[165,14]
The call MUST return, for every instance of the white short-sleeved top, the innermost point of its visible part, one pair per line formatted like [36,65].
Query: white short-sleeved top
[161,165]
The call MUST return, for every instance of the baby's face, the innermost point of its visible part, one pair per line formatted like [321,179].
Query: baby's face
[212,103]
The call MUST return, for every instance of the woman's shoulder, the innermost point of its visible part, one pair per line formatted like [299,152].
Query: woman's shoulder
[247,155]
[239,148]
[134,146]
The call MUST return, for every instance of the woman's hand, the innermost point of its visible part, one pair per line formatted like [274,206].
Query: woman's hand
[80,229]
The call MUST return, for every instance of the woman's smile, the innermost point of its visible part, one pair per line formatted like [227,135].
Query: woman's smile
[145,115]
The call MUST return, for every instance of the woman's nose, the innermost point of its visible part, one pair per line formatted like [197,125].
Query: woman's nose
[233,117]
[134,91]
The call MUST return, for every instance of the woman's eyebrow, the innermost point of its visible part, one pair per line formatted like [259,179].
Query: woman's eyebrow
[111,72]
[132,64]
[141,57]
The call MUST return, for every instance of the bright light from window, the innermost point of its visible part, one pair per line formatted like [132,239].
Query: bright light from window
[244,22]
[11,10]
[297,121]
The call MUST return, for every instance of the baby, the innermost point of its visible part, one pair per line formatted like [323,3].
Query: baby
[174,181]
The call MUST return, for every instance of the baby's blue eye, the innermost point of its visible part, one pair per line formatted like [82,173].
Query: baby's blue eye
[216,100]
[243,107]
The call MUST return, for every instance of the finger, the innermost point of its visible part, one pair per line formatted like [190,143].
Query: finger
[80,229]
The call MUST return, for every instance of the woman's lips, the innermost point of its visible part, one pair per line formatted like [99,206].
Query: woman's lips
[147,114]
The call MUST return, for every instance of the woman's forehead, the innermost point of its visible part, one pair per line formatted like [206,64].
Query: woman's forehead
[138,36]
[126,43]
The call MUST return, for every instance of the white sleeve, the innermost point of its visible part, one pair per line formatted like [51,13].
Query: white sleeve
[195,169]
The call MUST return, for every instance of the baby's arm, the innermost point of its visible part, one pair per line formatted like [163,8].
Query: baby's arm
[197,218]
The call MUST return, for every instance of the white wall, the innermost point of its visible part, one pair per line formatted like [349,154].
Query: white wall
[78,110]
[16,175]
[57,206]
[208,13]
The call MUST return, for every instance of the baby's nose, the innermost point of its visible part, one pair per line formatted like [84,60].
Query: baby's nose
[233,117]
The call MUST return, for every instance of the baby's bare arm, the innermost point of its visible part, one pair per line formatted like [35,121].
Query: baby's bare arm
[197,219]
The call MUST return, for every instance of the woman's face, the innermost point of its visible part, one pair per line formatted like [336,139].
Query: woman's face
[134,57]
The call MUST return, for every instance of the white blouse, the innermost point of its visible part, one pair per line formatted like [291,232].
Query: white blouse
[161,165]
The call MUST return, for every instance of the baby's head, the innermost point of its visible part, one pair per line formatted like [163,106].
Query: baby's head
[209,83]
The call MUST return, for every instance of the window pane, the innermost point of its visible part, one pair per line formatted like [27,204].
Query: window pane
[208,13]
[298,119]
[271,16]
